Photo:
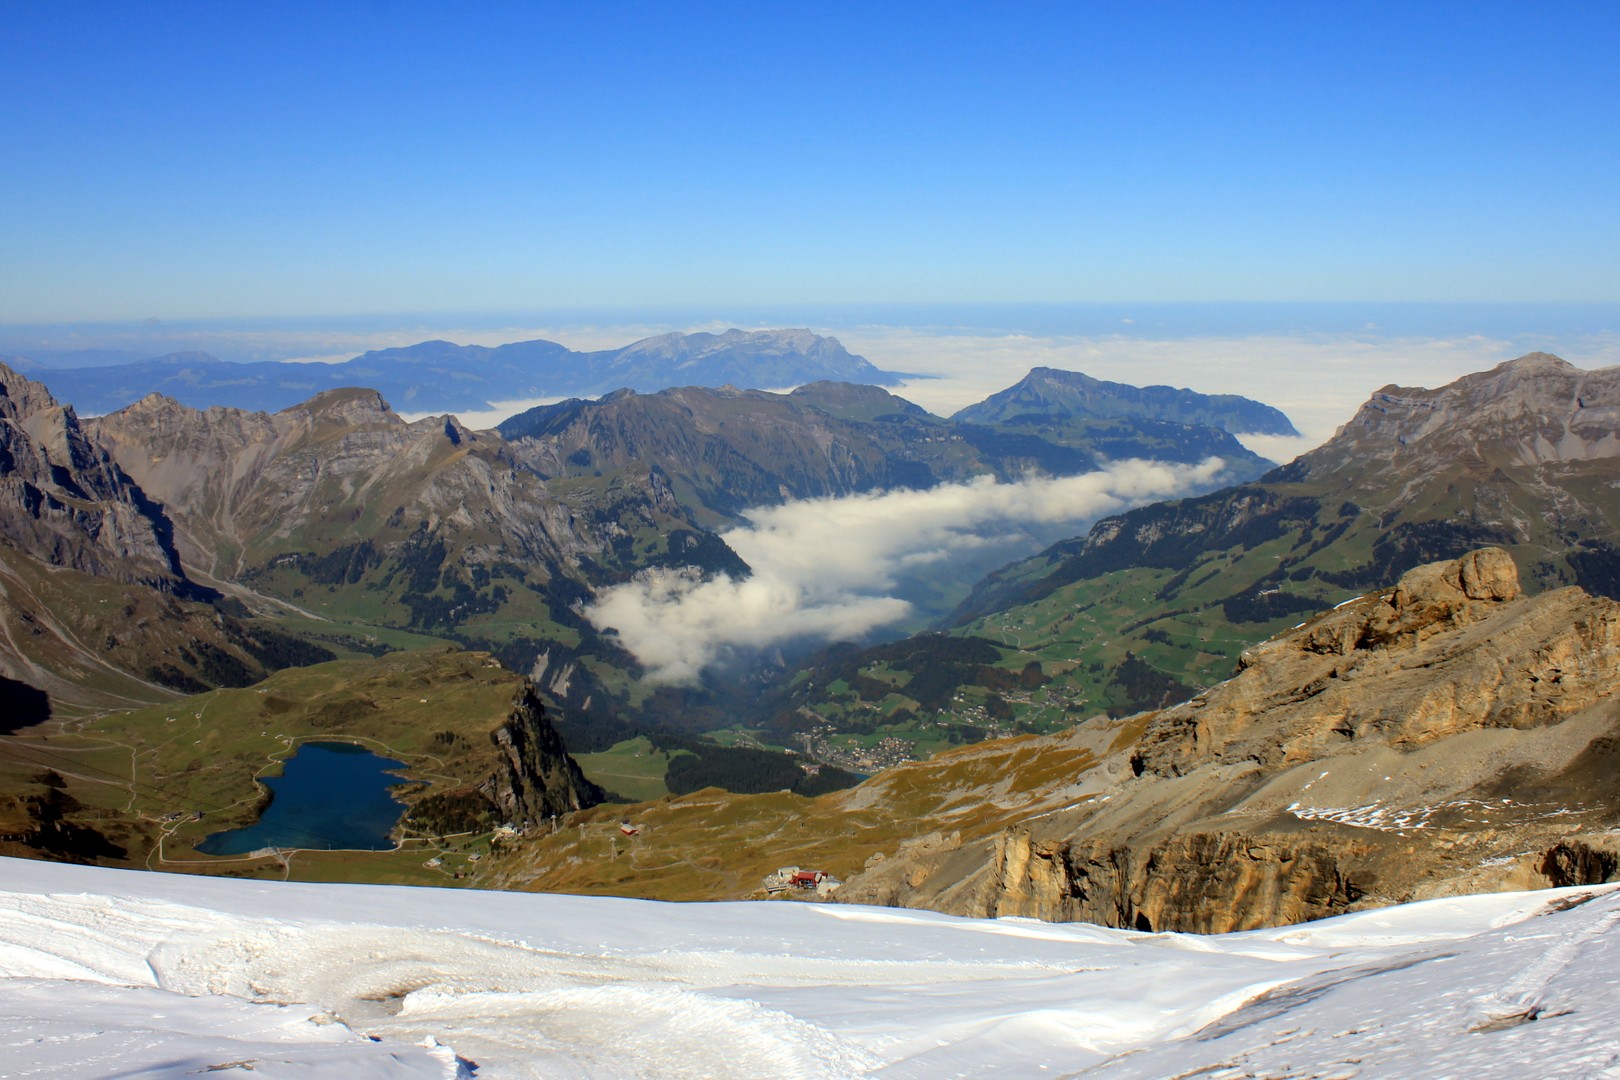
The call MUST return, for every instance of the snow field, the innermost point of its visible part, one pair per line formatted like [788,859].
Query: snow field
[107,973]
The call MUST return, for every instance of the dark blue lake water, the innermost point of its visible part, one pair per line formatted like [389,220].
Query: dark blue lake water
[329,795]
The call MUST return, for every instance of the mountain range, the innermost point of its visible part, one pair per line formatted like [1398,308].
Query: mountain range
[441,376]
[1156,603]
[1200,739]
[340,511]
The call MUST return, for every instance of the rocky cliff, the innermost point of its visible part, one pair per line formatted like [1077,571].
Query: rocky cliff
[65,501]
[1448,734]
[536,779]
[96,610]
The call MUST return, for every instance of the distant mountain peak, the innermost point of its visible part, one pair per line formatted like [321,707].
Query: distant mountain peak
[1536,408]
[1047,393]
[181,359]
[349,402]
[1537,360]
[681,345]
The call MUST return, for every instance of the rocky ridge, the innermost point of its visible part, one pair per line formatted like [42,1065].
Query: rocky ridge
[1446,735]
[64,499]
[1535,411]
[248,487]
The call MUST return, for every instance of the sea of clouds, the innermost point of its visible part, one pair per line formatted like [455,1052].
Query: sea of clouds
[828,568]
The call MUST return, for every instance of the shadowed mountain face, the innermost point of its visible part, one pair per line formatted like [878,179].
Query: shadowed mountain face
[21,705]
[441,376]
[64,500]
[96,610]
[1048,399]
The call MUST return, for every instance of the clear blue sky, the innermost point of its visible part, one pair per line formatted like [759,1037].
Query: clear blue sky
[213,160]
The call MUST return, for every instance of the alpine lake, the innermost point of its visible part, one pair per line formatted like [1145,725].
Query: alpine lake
[330,796]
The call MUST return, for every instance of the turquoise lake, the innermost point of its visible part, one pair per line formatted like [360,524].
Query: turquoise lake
[329,795]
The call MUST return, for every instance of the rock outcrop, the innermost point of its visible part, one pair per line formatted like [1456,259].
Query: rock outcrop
[1448,734]
[64,500]
[536,778]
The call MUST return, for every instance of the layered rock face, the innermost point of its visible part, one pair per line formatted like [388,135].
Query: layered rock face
[1445,735]
[64,500]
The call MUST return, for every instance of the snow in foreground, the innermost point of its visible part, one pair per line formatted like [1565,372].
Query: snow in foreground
[116,973]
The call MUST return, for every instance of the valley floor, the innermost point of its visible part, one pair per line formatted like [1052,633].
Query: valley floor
[107,972]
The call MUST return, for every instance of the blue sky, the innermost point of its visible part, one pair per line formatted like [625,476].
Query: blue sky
[228,160]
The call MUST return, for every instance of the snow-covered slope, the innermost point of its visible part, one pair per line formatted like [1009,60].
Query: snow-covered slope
[118,973]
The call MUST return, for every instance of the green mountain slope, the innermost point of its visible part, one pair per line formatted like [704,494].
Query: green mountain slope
[1158,602]
[338,518]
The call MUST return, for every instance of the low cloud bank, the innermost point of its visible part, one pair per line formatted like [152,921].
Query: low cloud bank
[827,568]
[485,419]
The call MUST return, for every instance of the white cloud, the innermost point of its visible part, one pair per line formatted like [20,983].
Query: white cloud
[826,568]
